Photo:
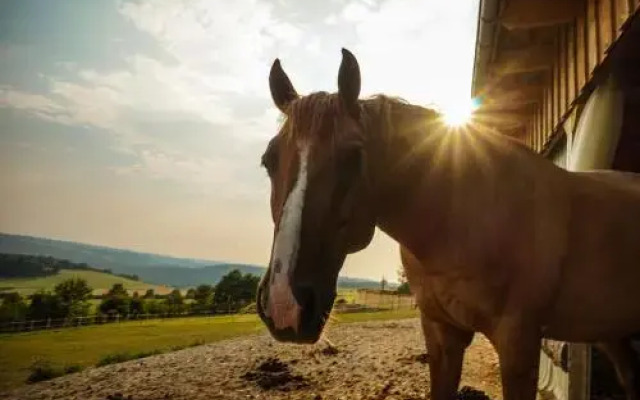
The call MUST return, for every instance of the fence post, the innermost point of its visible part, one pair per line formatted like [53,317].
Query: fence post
[117,318]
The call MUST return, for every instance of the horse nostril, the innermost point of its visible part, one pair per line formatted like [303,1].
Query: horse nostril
[260,302]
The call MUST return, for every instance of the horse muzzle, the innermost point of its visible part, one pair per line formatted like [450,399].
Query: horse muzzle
[294,315]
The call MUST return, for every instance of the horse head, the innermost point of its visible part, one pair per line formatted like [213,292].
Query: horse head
[317,166]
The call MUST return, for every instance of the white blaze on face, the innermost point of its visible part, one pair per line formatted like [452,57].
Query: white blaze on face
[282,306]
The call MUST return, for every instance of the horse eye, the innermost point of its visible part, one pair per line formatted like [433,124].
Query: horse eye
[269,161]
[348,169]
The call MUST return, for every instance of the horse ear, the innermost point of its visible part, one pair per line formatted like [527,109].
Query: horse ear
[282,91]
[349,82]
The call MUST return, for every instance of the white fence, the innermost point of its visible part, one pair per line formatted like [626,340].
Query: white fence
[363,302]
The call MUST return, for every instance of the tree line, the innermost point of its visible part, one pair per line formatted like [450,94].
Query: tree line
[30,266]
[70,299]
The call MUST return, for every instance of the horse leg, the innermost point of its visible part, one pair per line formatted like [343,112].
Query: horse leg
[626,364]
[446,346]
[518,346]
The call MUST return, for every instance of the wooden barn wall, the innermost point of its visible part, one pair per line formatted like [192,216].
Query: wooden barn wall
[580,47]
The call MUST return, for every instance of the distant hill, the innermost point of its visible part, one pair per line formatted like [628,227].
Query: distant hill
[151,268]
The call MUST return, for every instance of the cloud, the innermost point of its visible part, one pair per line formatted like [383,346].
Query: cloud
[38,104]
[356,12]
[226,40]
[211,61]
[163,166]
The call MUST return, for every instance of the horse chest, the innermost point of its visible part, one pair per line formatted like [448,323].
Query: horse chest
[461,302]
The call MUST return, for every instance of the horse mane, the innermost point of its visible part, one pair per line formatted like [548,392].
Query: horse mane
[308,115]
[320,111]
[388,114]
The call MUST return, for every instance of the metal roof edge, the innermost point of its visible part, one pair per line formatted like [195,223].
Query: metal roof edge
[485,32]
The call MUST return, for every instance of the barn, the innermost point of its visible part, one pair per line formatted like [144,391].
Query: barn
[563,77]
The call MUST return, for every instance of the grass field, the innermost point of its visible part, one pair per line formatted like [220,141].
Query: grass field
[85,346]
[96,280]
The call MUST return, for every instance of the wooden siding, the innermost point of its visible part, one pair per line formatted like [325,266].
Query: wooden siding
[580,48]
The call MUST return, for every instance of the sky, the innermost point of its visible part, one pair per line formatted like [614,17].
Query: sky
[140,124]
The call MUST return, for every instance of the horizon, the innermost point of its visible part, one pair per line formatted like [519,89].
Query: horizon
[205,262]
[140,125]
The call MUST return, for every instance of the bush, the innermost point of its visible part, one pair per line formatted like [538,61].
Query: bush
[113,359]
[249,309]
[198,342]
[122,357]
[73,368]
[42,370]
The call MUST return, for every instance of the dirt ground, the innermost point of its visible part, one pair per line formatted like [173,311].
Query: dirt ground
[373,360]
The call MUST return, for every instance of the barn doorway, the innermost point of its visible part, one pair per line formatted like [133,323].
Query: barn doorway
[626,66]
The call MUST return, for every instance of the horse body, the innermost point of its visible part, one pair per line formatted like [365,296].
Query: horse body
[524,243]
[601,266]
[494,238]
[560,246]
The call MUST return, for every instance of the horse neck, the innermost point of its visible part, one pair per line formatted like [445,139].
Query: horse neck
[424,176]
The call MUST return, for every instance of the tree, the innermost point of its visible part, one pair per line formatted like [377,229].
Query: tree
[45,305]
[404,284]
[74,294]
[235,290]
[203,296]
[190,293]
[137,304]
[13,308]
[73,289]
[155,307]
[174,302]
[20,265]
[149,294]
[118,290]
[116,301]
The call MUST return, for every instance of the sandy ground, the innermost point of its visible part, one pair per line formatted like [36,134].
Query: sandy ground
[374,360]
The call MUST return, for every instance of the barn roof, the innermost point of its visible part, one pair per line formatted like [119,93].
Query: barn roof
[534,56]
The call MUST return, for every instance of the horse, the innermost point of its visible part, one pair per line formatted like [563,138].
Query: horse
[494,239]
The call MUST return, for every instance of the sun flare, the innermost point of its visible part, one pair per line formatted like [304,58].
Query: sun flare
[458,114]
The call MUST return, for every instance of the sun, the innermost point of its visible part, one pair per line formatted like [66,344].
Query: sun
[459,113]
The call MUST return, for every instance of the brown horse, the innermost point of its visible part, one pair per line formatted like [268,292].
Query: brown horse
[494,238]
